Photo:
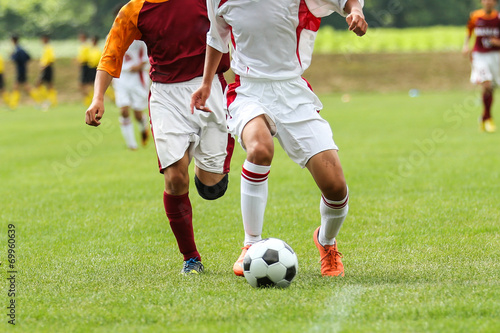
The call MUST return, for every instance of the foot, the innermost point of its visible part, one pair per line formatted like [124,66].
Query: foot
[489,126]
[192,266]
[331,258]
[238,265]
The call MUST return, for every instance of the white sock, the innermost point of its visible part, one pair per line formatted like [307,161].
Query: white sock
[253,199]
[333,214]
[128,132]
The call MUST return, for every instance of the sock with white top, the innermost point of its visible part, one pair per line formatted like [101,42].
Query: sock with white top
[253,199]
[333,214]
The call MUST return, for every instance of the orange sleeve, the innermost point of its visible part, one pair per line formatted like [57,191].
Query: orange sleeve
[471,24]
[123,32]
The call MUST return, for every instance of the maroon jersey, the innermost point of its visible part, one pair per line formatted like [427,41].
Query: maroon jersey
[484,26]
[174,32]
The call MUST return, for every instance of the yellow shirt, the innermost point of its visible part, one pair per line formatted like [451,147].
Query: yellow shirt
[83,54]
[48,56]
[94,56]
[1,65]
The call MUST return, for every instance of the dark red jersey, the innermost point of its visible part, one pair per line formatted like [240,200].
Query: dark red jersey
[175,34]
[484,26]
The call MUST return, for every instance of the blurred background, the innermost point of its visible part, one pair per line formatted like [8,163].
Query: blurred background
[410,44]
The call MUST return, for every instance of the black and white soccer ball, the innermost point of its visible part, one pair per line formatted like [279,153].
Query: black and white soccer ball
[270,263]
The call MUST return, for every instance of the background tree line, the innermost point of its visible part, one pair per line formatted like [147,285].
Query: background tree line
[65,18]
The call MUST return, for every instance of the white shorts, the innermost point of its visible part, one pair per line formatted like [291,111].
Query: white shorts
[175,130]
[131,91]
[291,109]
[485,67]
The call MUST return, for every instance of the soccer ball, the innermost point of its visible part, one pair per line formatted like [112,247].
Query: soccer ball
[270,263]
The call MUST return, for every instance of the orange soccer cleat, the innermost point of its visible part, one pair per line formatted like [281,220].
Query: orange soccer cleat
[238,265]
[331,263]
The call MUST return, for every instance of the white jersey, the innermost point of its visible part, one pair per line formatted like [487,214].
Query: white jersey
[136,54]
[132,87]
[270,39]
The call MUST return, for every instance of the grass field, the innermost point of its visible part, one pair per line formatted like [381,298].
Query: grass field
[95,253]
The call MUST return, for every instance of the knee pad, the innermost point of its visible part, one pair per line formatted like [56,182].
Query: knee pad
[211,192]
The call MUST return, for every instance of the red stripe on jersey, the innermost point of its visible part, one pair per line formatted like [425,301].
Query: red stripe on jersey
[306,21]
[222,2]
[336,206]
[231,90]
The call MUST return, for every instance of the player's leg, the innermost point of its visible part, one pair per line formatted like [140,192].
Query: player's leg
[489,125]
[180,213]
[52,92]
[127,128]
[5,93]
[327,172]
[143,125]
[174,141]
[308,140]
[15,96]
[258,142]
[487,94]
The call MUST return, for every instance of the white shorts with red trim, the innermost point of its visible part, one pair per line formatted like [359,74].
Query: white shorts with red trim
[131,91]
[485,67]
[175,130]
[291,109]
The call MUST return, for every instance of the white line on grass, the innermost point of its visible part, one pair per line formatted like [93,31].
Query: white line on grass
[338,308]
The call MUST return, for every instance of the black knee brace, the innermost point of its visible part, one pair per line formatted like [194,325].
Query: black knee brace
[211,192]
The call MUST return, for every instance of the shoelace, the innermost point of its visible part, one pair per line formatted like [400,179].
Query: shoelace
[332,253]
[190,263]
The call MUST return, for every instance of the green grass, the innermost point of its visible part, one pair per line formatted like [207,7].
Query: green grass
[390,40]
[95,252]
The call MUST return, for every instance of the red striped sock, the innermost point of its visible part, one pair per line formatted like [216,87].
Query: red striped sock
[333,214]
[253,199]
[180,215]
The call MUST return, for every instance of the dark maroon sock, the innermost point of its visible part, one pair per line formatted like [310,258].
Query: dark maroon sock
[180,215]
[487,101]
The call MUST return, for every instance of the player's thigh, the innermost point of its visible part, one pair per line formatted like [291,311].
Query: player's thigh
[247,109]
[173,132]
[214,150]
[304,135]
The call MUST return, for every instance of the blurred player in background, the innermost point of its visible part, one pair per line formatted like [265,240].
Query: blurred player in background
[86,80]
[44,92]
[175,35]
[485,24]
[21,58]
[131,92]
[94,56]
[272,46]
[3,92]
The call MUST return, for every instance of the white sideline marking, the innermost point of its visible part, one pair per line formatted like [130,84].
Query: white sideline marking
[339,307]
